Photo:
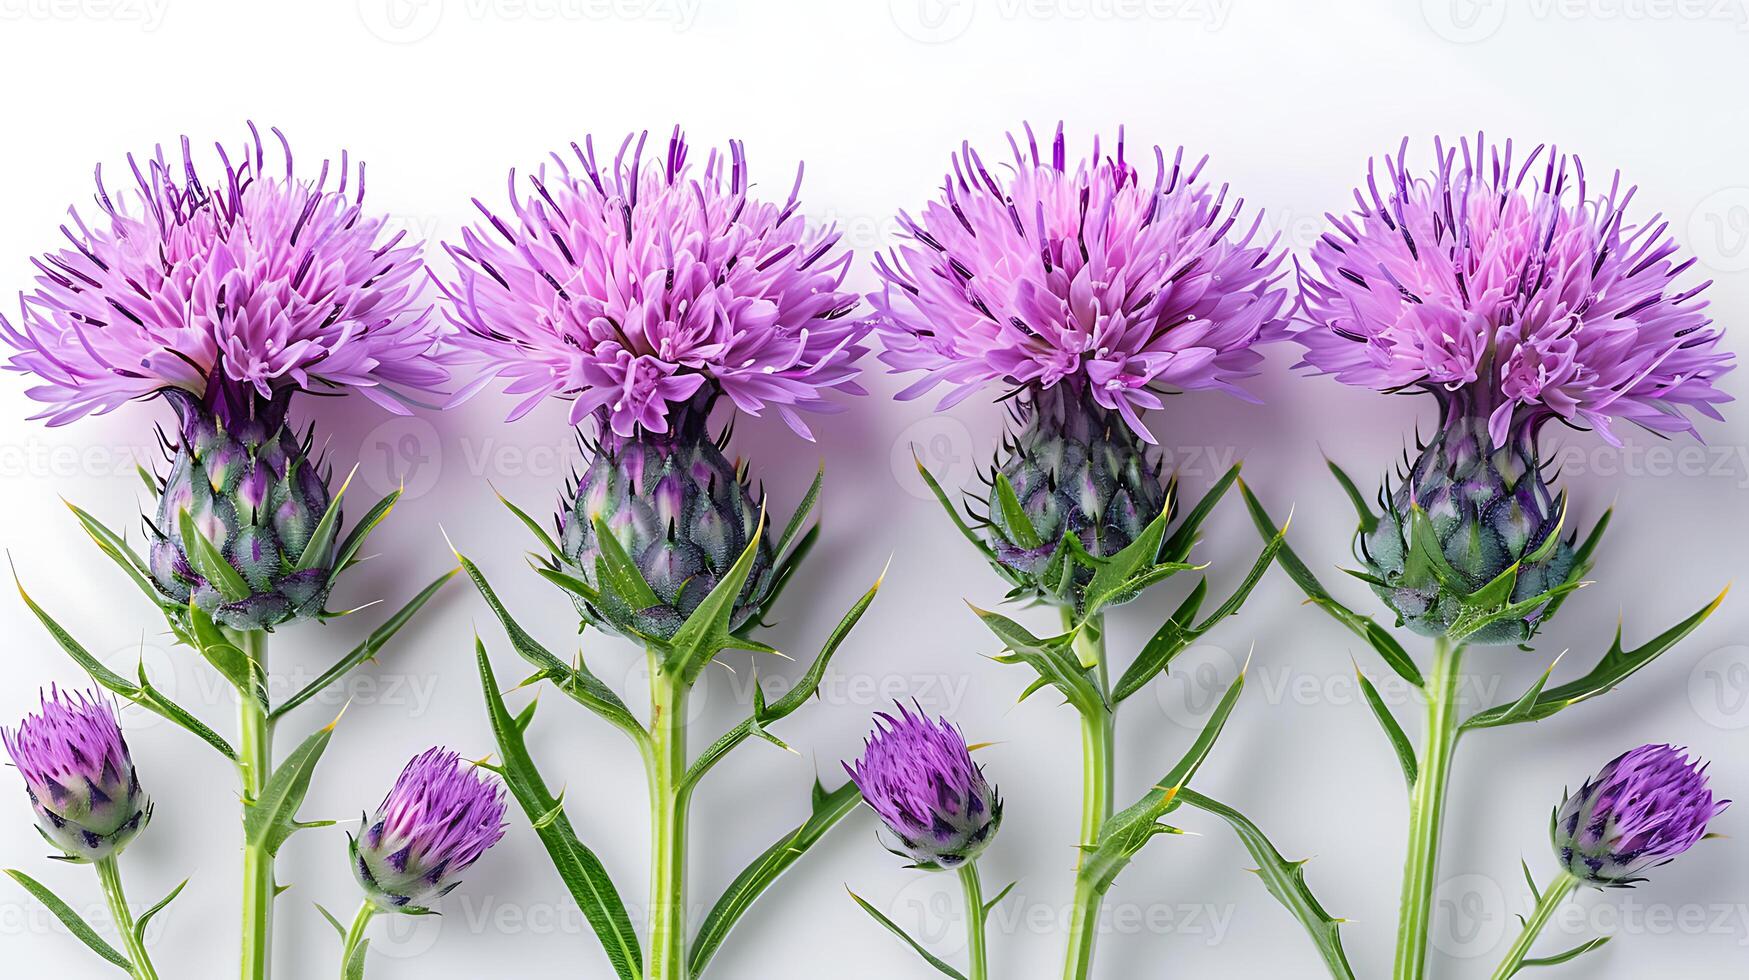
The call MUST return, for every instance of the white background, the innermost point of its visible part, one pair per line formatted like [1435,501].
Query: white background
[443,96]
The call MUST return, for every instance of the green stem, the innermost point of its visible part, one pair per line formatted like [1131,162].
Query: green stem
[109,873]
[1098,746]
[367,911]
[1427,811]
[670,800]
[1553,896]
[255,761]
[975,920]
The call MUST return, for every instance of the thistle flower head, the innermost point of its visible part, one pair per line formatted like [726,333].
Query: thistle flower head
[230,286]
[80,776]
[918,775]
[435,823]
[1087,274]
[1515,289]
[627,285]
[1642,810]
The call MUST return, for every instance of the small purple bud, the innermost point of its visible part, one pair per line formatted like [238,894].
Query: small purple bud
[918,775]
[80,776]
[1645,807]
[435,823]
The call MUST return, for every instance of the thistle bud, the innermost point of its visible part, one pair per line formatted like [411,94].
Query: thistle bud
[1489,508]
[1077,469]
[80,777]
[434,824]
[681,511]
[1645,807]
[251,488]
[918,776]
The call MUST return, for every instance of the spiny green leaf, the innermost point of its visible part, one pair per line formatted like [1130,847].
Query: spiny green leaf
[1052,657]
[706,631]
[1183,539]
[828,809]
[208,563]
[1015,523]
[800,516]
[792,700]
[115,546]
[216,649]
[1128,830]
[582,872]
[954,514]
[1562,957]
[367,650]
[349,548]
[540,533]
[1615,666]
[146,917]
[142,693]
[616,572]
[1177,633]
[577,683]
[80,929]
[1369,522]
[271,819]
[1286,880]
[897,930]
[316,550]
[1375,635]
[1393,731]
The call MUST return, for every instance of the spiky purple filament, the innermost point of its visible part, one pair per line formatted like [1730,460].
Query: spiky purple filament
[625,289]
[1091,277]
[1516,286]
[228,290]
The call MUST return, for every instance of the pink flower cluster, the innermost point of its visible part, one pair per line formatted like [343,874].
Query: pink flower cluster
[626,288]
[249,283]
[1087,276]
[1511,287]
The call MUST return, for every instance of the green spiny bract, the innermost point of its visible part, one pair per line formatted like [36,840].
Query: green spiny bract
[1076,471]
[680,511]
[249,487]
[1491,519]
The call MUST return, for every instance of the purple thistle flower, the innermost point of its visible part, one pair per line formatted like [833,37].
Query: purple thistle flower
[1090,277]
[80,777]
[1645,807]
[628,288]
[1514,294]
[434,824]
[230,289]
[918,775]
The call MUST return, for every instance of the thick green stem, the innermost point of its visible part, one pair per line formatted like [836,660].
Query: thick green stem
[255,761]
[974,890]
[1553,896]
[367,911]
[1427,811]
[109,873]
[670,799]
[1098,738]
